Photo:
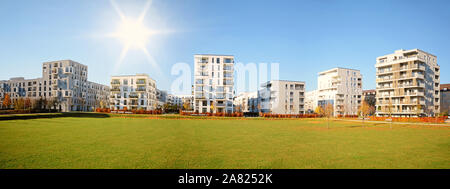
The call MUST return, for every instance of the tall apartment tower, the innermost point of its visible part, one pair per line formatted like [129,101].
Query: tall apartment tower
[214,83]
[341,87]
[135,92]
[282,97]
[407,84]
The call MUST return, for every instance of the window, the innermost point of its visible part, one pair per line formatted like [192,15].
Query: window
[218,60]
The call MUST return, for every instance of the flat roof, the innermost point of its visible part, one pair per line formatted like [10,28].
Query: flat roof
[338,68]
[405,51]
[212,55]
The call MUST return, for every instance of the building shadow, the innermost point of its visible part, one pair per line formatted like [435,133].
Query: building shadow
[53,115]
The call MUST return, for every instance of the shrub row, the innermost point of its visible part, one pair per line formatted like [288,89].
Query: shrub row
[236,114]
[347,116]
[290,115]
[107,110]
[440,119]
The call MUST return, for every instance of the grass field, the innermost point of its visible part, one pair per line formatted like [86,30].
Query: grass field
[262,144]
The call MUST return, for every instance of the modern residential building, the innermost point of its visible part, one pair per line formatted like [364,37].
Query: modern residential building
[369,96]
[407,84]
[341,87]
[188,100]
[174,100]
[214,83]
[134,92]
[310,101]
[161,97]
[445,98]
[63,81]
[246,102]
[282,97]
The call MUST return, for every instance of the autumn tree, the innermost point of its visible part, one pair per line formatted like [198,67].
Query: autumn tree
[187,105]
[102,104]
[418,110]
[27,103]
[19,104]
[364,110]
[328,111]
[6,101]
[319,110]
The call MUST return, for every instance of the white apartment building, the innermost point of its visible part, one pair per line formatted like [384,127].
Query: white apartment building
[162,98]
[407,84]
[174,100]
[246,102]
[282,97]
[134,92]
[64,81]
[310,101]
[186,99]
[214,83]
[341,87]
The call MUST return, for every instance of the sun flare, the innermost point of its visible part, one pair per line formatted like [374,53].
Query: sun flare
[133,33]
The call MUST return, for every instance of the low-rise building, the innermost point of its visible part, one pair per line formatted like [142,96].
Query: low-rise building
[445,97]
[63,82]
[133,92]
[310,101]
[342,88]
[282,97]
[246,102]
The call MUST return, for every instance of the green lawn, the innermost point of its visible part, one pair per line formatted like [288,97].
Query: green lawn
[151,143]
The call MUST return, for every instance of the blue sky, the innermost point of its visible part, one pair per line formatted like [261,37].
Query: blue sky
[305,37]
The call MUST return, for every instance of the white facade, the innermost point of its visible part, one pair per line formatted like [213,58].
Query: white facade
[186,99]
[246,102]
[64,81]
[282,97]
[311,101]
[407,80]
[133,92]
[342,88]
[214,83]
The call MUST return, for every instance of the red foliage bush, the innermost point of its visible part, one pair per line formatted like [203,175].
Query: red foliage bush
[440,119]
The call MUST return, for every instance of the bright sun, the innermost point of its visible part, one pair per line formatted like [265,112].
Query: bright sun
[133,33]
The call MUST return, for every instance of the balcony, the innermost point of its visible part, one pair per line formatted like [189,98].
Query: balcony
[115,82]
[133,96]
[227,83]
[141,89]
[115,89]
[140,82]
[200,96]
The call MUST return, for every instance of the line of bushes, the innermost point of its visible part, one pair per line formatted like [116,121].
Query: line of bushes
[290,115]
[220,114]
[107,110]
[347,116]
[440,119]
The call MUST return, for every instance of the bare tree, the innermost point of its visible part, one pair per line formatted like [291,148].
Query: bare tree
[390,110]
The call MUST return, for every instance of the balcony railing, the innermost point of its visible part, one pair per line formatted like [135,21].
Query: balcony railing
[133,96]
[140,82]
